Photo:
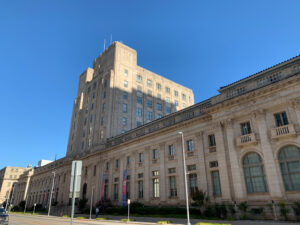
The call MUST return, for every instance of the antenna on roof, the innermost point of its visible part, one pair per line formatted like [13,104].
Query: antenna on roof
[110,38]
[104,44]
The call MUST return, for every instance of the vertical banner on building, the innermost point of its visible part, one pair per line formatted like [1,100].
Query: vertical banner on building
[124,187]
[103,185]
[45,197]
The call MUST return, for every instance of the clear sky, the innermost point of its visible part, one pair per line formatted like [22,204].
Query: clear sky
[45,46]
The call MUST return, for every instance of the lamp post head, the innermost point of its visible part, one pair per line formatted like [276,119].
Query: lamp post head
[180,132]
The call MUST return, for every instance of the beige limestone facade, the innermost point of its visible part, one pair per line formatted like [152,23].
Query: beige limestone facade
[241,145]
[8,177]
[117,95]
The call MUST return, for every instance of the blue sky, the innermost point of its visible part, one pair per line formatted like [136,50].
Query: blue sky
[45,46]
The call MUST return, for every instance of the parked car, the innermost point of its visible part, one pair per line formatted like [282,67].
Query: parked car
[4,218]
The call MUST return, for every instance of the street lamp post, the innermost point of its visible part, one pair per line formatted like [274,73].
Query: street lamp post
[51,193]
[185,180]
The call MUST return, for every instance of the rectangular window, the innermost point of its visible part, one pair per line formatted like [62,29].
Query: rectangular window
[125,95]
[149,83]
[171,150]
[168,100]
[139,112]
[193,183]
[159,106]
[140,175]
[94,95]
[158,86]
[104,94]
[216,182]
[155,187]
[117,163]
[149,115]
[191,167]
[176,103]
[124,108]
[128,160]
[183,105]
[168,110]
[158,116]
[213,164]
[175,93]
[103,107]
[245,128]
[126,73]
[91,118]
[139,78]
[102,121]
[190,145]
[105,83]
[149,92]
[183,97]
[173,188]
[138,123]
[281,119]
[155,154]
[116,192]
[168,90]
[141,157]
[172,170]
[125,83]
[140,189]
[95,170]
[139,100]
[149,103]
[155,173]
[211,140]
[124,121]
[107,165]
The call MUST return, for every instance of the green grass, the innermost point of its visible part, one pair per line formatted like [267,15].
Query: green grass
[101,218]
[204,223]
[27,213]
[81,217]
[65,216]
[126,220]
[164,222]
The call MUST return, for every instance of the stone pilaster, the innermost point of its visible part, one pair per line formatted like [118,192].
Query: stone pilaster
[269,160]
[180,172]
[201,167]
[162,173]
[133,176]
[221,154]
[122,166]
[236,171]
[147,176]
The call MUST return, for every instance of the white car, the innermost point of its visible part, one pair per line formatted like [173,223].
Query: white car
[3,217]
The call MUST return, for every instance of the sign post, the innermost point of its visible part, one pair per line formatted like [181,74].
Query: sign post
[34,205]
[128,203]
[75,184]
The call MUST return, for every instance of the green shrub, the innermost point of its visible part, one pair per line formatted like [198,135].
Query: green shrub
[126,220]
[209,212]
[296,208]
[82,204]
[101,218]
[283,210]
[81,217]
[65,216]
[163,222]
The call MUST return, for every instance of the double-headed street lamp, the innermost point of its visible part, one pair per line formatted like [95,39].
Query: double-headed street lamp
[185,180]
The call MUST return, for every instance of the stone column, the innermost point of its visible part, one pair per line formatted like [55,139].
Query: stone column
[133,176]
[236,171]
[221,154]
[179,170]
[147,177]
[295,103]
[269,160]
[202,164]
[122,166]
[162,173]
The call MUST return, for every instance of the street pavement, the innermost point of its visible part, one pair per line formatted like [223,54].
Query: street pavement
[21,219]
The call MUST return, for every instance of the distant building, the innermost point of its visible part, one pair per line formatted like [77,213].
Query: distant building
[8,176]
[44,162]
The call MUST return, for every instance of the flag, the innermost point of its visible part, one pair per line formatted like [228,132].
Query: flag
[124,187]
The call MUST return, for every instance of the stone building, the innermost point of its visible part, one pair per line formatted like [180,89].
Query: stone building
[240,145]
[8,176]
[117,95]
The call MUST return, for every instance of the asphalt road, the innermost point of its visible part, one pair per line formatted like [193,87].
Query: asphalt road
[20,219]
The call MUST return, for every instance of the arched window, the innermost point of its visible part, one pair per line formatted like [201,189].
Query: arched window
[254,173]
[289,160]
[84,190]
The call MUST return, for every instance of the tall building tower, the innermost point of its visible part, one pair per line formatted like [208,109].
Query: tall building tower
[117,95]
